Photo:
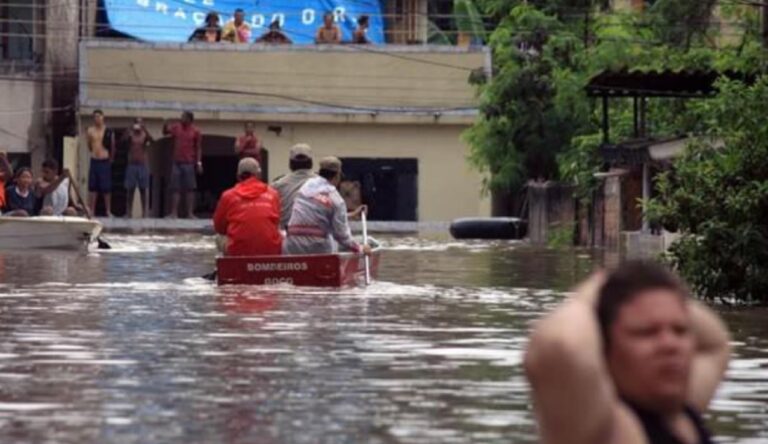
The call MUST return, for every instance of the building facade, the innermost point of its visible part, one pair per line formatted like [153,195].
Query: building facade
[394,114]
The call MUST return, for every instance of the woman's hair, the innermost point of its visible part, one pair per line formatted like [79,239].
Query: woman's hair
[363,20]
[626,282]
[211,16]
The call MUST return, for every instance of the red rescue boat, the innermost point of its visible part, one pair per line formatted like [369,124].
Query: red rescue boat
[314,270]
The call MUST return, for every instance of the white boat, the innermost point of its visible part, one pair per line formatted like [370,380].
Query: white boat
[47,232]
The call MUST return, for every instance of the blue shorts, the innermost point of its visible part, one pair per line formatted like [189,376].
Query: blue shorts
[136,176]
[183,177]
[100,176]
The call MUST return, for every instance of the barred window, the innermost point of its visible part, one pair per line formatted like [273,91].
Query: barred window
[19,29]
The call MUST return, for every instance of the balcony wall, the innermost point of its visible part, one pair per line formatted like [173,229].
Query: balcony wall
[399,84]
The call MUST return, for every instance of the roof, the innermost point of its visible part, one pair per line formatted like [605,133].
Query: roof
[668,83]
[639,151]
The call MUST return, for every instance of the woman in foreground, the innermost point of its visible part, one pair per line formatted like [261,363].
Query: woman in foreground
[630,359]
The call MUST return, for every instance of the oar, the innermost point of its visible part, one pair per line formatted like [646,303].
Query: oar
[102,244]
[367,259]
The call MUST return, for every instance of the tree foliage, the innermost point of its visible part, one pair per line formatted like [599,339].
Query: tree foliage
[521,128]
[536,121]
[717,197]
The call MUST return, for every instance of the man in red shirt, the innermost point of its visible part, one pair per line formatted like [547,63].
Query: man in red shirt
[187,162]
[248,145]
[249,214]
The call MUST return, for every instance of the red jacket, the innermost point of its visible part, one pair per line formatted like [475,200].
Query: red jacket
[248,215]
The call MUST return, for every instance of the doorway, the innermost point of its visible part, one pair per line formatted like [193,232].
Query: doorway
[388,186]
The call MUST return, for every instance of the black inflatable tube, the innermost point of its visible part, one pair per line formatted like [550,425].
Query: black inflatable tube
[489,228]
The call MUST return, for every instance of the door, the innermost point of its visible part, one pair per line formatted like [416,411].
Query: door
[388,186]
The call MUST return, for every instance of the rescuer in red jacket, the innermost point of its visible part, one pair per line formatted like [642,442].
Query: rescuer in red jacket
[249,214]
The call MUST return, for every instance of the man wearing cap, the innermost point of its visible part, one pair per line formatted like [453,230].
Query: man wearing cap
[248,214]
[319,215]
[300,164]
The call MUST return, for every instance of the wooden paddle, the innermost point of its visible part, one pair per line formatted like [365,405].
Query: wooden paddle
[102,244]
[364,220]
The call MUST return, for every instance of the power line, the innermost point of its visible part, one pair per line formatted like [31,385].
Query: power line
[285,97]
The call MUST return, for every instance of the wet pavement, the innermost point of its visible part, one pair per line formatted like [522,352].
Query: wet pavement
[131,345]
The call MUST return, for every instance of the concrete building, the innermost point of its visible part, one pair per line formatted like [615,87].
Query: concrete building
[394,114]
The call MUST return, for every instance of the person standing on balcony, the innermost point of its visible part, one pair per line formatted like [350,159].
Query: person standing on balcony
[236,30]
[249,144]
[210,32]
[187,162]
[101,143]
[360,37]
[329,33]
[274,36]
[137,171]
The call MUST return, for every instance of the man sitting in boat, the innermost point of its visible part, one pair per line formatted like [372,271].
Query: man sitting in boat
[20,200]
[319,215]
[248,214]
[300,164]
[53,189]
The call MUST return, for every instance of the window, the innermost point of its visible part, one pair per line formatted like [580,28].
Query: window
[19,28]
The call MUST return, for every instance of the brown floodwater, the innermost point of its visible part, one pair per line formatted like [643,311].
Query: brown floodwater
[131,346]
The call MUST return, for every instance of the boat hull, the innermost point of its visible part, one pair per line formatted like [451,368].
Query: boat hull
[47,232]
[317,270]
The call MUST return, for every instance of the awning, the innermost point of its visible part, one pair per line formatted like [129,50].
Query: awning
[668,83]
[175,20]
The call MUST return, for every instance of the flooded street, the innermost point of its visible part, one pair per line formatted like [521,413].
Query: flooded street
[131,345]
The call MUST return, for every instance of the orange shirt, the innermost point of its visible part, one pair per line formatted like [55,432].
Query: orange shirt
[248,215]
[2,194]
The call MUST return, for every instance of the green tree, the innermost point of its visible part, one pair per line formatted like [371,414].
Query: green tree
[521,127]
[717,198]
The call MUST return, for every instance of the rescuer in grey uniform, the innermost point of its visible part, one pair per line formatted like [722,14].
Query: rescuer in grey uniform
[319,215]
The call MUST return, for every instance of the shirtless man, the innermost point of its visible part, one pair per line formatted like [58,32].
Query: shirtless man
[101,144]
[630,359]
[137,171]
[329,33]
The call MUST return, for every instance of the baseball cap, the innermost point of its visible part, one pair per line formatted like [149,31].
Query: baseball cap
[249,165]
[300,150]
[331,164]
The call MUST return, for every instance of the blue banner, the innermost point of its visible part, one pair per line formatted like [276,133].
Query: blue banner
[175,20]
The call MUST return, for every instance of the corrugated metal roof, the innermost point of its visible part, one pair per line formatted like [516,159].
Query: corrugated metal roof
[668,83]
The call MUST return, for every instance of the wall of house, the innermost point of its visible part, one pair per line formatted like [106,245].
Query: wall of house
[447,187]
[21,119]
[372,82]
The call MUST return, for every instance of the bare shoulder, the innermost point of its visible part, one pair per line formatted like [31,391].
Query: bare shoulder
[567,372]
[625,427]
